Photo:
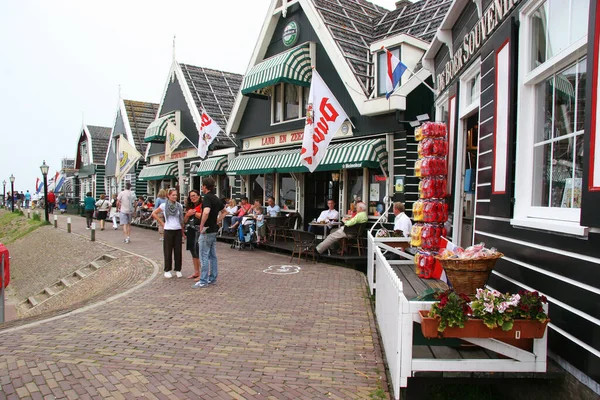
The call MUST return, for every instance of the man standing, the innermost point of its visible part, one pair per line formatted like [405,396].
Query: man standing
[27,199]
[401,222]
[51,202]
[273,209]
[212,212]
[125,208]
[360,218]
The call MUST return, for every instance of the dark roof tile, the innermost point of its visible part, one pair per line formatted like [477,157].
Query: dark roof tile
[100,136]
[140,114]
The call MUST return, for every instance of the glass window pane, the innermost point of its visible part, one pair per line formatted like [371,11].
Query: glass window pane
[539,21]
[269,186]
[277,103]
[541,175]
[557,39]
[355,184]
[581,81]
[292,101]
[305,92]
[562,169]
[579,19]
[543,120]
[382,69]
[287,192]
[257,184]
[377,183]
[564,102]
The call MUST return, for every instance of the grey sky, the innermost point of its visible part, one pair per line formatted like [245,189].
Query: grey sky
[62,58]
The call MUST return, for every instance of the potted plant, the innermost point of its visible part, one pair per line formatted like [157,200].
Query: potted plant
[491,315]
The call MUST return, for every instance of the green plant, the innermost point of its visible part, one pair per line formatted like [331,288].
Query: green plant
[36,217]
[531,306]
[495,309]
[452,310]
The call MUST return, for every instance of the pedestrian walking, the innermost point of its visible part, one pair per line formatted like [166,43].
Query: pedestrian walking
[51,202]
[161,198]
[125,207]
[27,199]
[89,206]
[174,232]
[113,211]
[192,224]
[103,205]
[212,213]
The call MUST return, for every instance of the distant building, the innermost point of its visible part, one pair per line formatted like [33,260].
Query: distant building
[89,162]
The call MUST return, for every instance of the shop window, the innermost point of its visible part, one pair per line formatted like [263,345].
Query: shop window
[224,190]
[355,187]
[261,187]
[287,192]
[550,121]
[377,191]
[382,69]
[288,102]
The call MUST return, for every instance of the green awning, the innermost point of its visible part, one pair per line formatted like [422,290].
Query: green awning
[211,166]
[158,172]
[292,66]
[157,130]
[369,153]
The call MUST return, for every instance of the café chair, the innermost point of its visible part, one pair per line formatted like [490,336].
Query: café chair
[354,237]
[304,243]
[289,224]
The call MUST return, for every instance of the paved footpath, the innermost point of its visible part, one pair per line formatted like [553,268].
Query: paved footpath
[253,335]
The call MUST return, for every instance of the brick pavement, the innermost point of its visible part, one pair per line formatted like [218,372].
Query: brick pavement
[309,335]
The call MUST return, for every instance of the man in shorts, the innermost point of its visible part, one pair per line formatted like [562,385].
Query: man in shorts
[125,207]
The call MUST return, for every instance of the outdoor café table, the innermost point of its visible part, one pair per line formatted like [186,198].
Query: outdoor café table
[331,224]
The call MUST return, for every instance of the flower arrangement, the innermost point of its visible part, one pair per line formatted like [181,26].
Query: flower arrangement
[494,309]
[452,310]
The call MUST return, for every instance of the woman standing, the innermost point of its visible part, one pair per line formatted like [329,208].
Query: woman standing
[161,198]
[113,211]
[174,232]
[89,206]
[103,206]
[192,222]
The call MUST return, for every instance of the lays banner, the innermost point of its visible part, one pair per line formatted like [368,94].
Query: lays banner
[127,156]
[174,138]
[209,130]
[324,116]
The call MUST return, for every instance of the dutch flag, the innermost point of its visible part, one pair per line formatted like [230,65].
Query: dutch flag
[395,69]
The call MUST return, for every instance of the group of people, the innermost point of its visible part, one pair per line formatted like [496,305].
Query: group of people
[238,215]
[27,200]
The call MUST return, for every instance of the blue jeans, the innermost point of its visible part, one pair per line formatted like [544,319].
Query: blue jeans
[208,253]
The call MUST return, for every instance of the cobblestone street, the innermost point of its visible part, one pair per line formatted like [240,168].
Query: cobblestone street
[253,335]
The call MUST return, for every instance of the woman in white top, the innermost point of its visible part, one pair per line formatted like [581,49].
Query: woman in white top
[102,206]
[174,232]
[232,209]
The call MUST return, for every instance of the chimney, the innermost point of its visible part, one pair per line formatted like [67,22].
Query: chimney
[402,3]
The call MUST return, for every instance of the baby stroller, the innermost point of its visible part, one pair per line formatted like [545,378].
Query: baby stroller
[246,237]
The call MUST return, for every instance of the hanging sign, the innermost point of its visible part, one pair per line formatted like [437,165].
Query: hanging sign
[290,34]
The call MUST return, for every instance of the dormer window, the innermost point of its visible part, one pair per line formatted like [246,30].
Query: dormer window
[288,102]
[382,69]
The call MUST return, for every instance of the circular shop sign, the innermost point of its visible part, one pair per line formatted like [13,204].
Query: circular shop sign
[290,34]
[282,269]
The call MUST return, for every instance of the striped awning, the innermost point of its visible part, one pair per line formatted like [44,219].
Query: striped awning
[211,166]
[292,66]
[355,154]
[157,130]
[563,86]
[158,172]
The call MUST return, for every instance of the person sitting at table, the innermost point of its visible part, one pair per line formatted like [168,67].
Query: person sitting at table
[401,222]
[337,234]
[242,211]
[273,209]
[232,210]
[326,216]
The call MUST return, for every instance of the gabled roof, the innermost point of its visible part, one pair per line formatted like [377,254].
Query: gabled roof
[212,90]
[100,136]
[139,115]
[355,24]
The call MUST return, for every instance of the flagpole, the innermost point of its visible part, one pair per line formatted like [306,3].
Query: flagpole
[413,74]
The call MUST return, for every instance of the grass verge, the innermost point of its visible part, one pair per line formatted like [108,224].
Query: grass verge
[15,225]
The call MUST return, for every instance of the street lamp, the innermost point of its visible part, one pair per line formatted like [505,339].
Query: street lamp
[4,198]
[76,188]
[44,168]
[12,192]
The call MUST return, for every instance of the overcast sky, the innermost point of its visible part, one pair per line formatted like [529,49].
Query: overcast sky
[63,60]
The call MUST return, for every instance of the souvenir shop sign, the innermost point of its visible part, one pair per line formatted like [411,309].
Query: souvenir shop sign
[492,17]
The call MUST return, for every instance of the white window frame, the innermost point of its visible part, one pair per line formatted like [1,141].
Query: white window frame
[563,220]
[444,102]
[465,89]
[301,112]
[378,77]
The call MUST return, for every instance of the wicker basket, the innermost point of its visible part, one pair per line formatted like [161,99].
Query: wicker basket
[467,275]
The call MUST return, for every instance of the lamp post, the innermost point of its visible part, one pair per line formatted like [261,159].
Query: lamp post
[12,192]
[44,168]
[4,198]
[76,188]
